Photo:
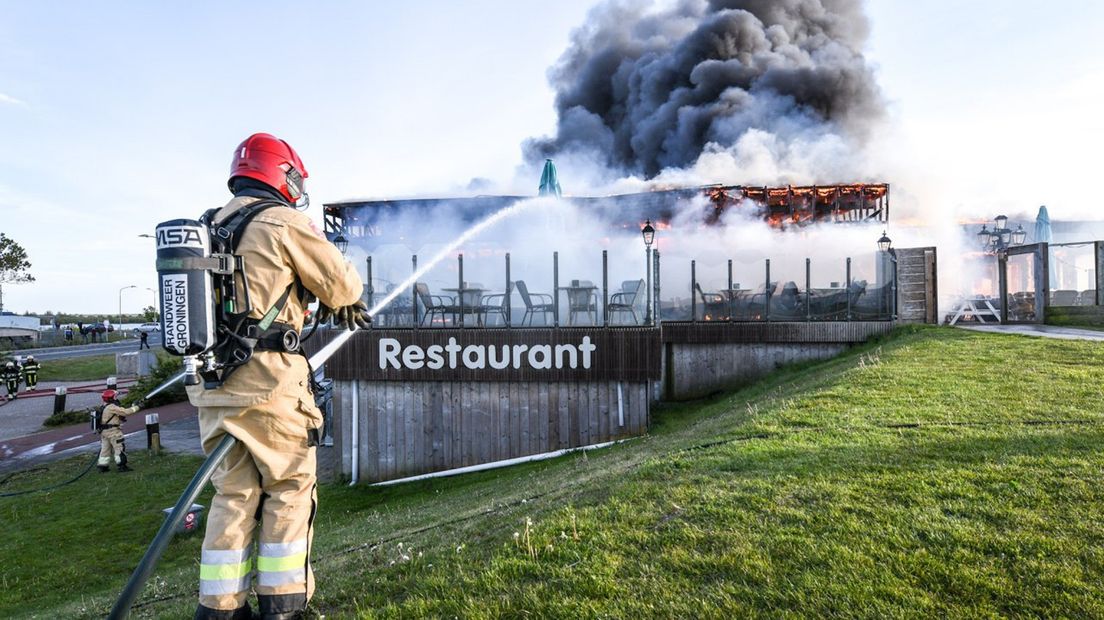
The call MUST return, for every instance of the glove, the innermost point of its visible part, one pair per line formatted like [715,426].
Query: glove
[325,313]
[141,403]
[353,316]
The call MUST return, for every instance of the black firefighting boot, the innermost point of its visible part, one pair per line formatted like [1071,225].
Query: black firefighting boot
[123,463]
[206,613]
[282,606]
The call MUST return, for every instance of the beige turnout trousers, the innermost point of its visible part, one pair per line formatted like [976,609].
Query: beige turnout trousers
[112,447]
[269,474]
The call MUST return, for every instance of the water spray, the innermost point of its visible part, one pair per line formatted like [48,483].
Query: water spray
[164,535]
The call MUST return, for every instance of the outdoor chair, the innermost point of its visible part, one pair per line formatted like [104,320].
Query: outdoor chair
[714,305]
[582,302]
[397,312]
[625,301]
[496,303]
[535,303]
[435,304]
[758,299]
[788,304]
[1063,298]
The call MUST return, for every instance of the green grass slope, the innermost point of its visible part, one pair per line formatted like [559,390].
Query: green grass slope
[938,473]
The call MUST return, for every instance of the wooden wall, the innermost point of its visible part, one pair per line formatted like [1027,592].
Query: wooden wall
[410,428]
[917,286]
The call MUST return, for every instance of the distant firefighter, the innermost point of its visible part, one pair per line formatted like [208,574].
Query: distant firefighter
[11,380]
[30,372]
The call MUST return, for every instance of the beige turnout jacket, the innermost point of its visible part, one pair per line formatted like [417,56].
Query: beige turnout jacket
[279,244]
[115,414]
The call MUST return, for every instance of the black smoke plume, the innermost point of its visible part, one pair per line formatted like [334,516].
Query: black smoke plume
[643,89]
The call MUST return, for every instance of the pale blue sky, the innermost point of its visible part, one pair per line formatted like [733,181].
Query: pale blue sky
[117,115]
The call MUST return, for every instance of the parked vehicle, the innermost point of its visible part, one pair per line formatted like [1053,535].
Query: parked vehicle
[149,328]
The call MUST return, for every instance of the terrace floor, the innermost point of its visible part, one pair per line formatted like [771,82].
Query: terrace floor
[1042,331]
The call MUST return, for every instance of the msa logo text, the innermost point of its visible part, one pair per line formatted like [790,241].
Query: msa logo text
[181,236]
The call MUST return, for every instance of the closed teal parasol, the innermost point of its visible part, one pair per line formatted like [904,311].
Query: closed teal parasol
[549,184]
[1043,233]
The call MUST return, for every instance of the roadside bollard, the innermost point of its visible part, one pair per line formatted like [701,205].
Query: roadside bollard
[153,433]
[112,383]
[59,399]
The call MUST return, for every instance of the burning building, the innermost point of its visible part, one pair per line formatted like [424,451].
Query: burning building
[369,222]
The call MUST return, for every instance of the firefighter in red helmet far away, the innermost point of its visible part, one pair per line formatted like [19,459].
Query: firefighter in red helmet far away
[265,488]
[112,444]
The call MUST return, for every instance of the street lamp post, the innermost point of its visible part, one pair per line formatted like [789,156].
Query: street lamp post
[885,246]
[341,242]
[121,304]
[648,232]
[1001,237]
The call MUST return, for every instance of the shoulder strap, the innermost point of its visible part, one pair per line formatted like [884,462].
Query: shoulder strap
[230,230]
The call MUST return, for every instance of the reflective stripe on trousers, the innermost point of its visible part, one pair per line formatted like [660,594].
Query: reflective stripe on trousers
[280,564]
[224,571]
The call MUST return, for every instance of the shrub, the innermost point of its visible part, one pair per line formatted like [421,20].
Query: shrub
[65,418]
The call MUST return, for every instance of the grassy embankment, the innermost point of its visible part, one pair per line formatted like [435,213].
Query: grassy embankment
[90,368]
[940,473]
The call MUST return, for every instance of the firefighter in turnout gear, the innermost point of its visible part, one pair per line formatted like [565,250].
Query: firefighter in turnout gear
[112,443]
[265,488]
[30,372]
[11,380]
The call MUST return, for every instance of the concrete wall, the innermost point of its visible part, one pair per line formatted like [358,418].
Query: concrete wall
[704,358]
[1074,316]
[135,363]
[416,427]
[703,369]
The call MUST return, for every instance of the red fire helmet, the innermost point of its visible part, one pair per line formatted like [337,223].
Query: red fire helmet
[272,161]
[108,395]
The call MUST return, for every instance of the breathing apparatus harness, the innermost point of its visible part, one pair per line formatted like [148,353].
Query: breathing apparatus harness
[204,318]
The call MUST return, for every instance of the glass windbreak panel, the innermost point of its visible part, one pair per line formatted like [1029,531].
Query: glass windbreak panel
[786,295]
[1072,275]
[747,298]
[391,265]
[674,289]
[711,292]
[628,295]
[1021,287]
[872,286]
[829,298]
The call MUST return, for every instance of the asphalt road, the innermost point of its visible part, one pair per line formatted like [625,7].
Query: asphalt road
[85,350]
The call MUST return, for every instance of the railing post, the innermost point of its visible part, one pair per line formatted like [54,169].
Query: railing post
[460,285]
[605,288]
[414,290]
[509,294]
[371,288]
[693,290]
[808,289]
[767,295]
[555,289]
[655,296]
[730,295]
[647,285]
[848,288]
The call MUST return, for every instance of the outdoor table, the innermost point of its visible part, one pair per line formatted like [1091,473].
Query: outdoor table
[581,293]
[978,307]
[468,299]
